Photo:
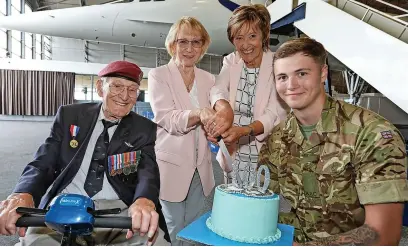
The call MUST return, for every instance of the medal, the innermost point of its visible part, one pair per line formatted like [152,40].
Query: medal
[133,160]
[133,167]
[126,168]
[73,143]
[74,132]
[111,162]
[120,163]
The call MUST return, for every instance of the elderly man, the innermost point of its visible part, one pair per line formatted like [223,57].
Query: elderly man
[74,159]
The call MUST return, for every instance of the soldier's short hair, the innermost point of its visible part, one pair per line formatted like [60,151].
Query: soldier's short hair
[306,46]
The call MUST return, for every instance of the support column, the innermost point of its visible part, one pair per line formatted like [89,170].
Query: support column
[8,32]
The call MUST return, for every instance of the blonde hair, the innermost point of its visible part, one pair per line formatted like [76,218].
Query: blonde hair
[257,15]
[195,25]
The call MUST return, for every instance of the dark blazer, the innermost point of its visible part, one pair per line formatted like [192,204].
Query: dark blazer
[57,162]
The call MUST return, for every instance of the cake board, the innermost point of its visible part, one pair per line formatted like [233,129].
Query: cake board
[198,232]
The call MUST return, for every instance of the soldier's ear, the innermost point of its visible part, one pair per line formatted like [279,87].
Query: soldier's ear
[324,73]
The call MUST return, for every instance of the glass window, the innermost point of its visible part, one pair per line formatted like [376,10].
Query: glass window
[16,44]
[47,47]
[83,87]
[16,34]
[3,39]
[47,54]
[147,98]
[16,4]
[38,38]
[3,53]
[28,45]
[47,42]
[14,11]
[16,48]
[28,53]
[38,46]
[28,39]
[27,8]
[3,7]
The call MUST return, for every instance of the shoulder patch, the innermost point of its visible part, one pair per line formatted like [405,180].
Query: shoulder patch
[386,134]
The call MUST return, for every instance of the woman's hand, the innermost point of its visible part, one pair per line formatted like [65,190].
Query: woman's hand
[206,114]
[234,133]
[219,123]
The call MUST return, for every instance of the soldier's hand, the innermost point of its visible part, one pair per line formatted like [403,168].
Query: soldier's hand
[9,216]
[145,219]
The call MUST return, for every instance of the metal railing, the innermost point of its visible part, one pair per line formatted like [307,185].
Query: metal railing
[372,10]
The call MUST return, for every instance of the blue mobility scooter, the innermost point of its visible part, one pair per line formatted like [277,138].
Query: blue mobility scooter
[72,215]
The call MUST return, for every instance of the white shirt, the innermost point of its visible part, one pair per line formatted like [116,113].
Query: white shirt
[77,184]
[194,101]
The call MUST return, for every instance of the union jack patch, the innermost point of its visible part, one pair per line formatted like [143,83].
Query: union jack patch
[386,134]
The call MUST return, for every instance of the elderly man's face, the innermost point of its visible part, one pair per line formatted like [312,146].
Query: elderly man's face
[119,96]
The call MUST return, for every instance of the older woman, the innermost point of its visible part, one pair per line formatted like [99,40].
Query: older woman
[244,95]
[179,93]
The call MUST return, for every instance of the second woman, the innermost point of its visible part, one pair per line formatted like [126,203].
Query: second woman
[179,94]
[244,95]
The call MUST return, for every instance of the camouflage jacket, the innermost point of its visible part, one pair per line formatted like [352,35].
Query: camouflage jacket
[354,157]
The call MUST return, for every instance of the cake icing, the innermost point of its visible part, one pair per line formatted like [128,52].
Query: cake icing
[245,215]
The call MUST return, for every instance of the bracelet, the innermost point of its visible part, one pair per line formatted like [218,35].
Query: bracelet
[251,133]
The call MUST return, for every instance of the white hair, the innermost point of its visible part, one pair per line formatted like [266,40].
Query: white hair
[105,81]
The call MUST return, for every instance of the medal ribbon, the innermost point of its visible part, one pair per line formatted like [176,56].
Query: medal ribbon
[74,130]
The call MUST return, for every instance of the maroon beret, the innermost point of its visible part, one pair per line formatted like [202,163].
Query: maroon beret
[122,69]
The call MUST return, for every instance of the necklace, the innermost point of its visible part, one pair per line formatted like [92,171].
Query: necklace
[188,81]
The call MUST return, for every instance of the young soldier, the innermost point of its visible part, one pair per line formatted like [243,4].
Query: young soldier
[340,169]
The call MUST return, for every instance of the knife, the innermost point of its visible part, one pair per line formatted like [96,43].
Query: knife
[229,160]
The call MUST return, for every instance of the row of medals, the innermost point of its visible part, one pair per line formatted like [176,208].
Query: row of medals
[126,169]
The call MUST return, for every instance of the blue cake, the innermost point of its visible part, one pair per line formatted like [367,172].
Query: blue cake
[245,215]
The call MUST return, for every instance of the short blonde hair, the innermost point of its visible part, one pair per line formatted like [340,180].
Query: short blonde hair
[195,25]
[257,15]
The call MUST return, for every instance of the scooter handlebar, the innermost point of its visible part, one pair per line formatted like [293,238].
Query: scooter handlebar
[28,220]
[113,222]
[100,222]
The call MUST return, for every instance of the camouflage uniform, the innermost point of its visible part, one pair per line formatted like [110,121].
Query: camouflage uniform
[353,158]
